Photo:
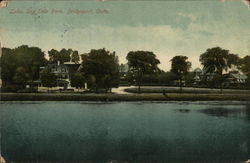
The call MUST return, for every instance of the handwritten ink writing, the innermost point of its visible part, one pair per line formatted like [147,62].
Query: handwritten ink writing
[58,11]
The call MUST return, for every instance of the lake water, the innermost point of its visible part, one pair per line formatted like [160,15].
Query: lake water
[129,131]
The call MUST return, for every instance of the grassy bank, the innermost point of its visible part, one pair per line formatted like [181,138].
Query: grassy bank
[123,97]
[186,90]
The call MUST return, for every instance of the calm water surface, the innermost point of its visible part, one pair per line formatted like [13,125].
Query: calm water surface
[133,132]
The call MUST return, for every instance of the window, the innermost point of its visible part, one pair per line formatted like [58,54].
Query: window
[63,70]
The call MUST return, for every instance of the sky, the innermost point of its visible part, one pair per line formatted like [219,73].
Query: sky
[167,28]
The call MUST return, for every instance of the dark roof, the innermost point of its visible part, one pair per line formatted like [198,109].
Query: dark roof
[73,67]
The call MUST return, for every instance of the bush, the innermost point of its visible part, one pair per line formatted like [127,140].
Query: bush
[18,89]
[11,88]
[28,90]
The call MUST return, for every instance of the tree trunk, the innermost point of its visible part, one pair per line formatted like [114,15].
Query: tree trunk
[180,85]
[221,85]
[139,80]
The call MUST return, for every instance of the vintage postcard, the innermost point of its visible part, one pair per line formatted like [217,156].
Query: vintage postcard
[120,81]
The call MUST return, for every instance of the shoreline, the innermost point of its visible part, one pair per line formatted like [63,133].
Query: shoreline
[189,90]
[122,97]
[215,103]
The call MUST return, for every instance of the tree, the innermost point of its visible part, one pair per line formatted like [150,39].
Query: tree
[233,60]
[180,67]
[53,56]
[141,62]
[216,60]
[245,64]
[8,66]
[60,56]
[245,68]
[21,77]
[75,57]
[189,78]
[65,55]
[77,80]
[102,67]
[48,79]
[29,58]
[167,77]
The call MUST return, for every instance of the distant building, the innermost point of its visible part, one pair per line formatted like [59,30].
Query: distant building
[123,70]
[232,78]
[235,79]
[63,73]
[197,76]
[178,82]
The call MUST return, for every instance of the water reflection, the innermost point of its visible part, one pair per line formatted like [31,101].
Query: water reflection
[152,132]
[183,110]
[228,112]
[248,112]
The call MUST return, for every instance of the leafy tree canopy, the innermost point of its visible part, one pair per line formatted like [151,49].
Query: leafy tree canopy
[48,79]
[245,67]
[64,55]
[77,80]
[21,77]
[144,60]
[245,64]
[103,67]
[29,58]
[180,65]
[75,57]
[8,65]
[217,60]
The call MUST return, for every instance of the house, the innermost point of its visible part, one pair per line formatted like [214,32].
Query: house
[123,70]
[178,82]
[197,76]
[235,79]
[200,75]
[232,78]
[63,73]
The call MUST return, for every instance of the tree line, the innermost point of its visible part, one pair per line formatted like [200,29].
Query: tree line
[100,67]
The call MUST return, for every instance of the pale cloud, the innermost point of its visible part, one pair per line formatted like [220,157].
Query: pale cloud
[196,31]
[164,40]
[192,17]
